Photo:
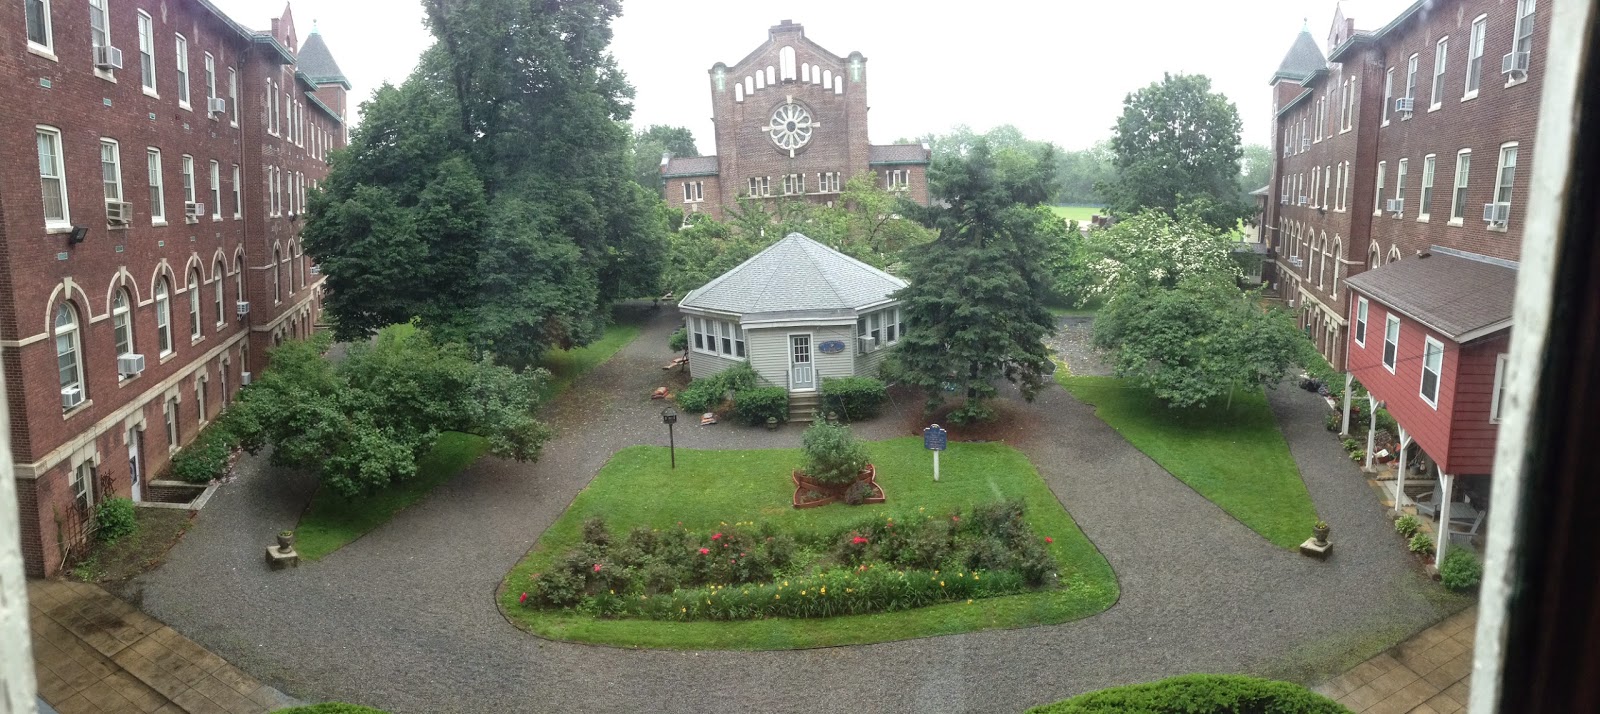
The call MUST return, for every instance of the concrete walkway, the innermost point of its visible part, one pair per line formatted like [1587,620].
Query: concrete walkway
[405,618]
[1430,673]
[95,653]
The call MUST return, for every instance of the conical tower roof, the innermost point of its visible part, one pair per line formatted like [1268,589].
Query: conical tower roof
[1303,60]
[317,62]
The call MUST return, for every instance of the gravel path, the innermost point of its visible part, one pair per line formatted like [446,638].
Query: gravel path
[404,618]
[1072,343]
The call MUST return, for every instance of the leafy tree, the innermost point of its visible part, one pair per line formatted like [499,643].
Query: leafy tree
[974,307]
[1079,173]
[363,422]
[1196,341]
[1152,248]
[1255,171]
[1177,143]
[650,144]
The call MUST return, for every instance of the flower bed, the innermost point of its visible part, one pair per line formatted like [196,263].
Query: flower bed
[747,572]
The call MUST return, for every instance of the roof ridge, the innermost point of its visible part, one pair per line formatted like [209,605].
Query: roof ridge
[827,275]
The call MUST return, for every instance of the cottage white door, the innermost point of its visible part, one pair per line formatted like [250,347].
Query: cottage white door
[801,374]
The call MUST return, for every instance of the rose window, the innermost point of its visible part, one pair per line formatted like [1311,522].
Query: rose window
[790,127]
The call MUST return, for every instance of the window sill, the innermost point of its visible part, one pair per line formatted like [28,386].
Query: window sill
[233,124]
[185,106]
[124,380]
[215,218]
[190,221]
[1514,82]
[151,92]
[111,227]
[82,408]
[196,340]
[1425,218]
[42,51]
[1469,96]
[1498,228]
[1454,222]
[106,75]
[57,229]
[167,356]
[1434,107]
[158,223]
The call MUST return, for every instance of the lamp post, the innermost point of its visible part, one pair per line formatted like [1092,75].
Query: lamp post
[669,416]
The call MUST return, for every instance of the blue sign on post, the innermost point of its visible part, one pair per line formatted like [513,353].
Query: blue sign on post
[934,439]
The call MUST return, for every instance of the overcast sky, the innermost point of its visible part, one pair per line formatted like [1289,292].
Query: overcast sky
[1057,69]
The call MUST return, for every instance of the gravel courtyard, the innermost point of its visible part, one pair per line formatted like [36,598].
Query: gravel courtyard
[404,618]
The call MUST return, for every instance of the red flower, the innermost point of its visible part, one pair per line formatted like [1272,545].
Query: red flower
[597,567]
[717,537]
[705,551]
[858,540]
[1048,539]
[955,518]
[730,560]
[523,599]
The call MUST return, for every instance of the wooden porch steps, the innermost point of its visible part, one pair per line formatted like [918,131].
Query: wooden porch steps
[805,407]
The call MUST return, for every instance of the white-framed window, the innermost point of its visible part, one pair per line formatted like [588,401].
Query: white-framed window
[1349,103]
[211,81]
[1411,77]
[1432,368]
[1441,54]
[217,273]
[760,185]
[163,317]
[1497,402]
[99,24]
[1388,94]
[1400,170]
[200,395]
[238,203]
[793,184]
[694,191]
[111,169]
[1338,193]
[83,476]
[1314,178]
[147,53]
[277,276]
[158,198]
[238,278]
[182,52]
[216,191]
[1506,174]
[898,180]
[878,329]
[1391,341]
[40,36]
[1361,322]
[69,350]
[1522,41]
[170,417]
[718,337]
[194,305]
[1425,201]
[1377,196]
[1322,266]
[52,177]
[186,171]
[122,325]
[233,98]
[1327,184]
[1480,28]
[1458,200]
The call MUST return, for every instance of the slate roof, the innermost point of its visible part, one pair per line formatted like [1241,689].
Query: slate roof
[898,154]
[1303,60]
[1461,298]
[795,277]
[691,166]
[317,62]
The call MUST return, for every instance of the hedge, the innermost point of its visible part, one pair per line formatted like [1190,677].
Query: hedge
[754,406]
[706,394]
[1460,570]
[854,398]
[1199,694]
[207,456]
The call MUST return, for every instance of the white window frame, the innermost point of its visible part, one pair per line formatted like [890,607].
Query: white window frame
[1391,345]
[186,170]
[200,396]
[115,169]
[1412,67]
[48,48]
[238,195]
[58,175]
[1377,195]
[216,190]
[1459,184]
[1388,95]
[1502,187]
[147,54]
[82,485]
[100,36]
[277,276]
[163,304]
[1429,344]
[1401,168]
[158,189]
[169,416]
[1425,195]
[1522,34]
[181,50]
[233,98]
[196,323]
[1441,58]
[69,336]
[218,271]
[122,326]
[885,326]
[1502,365]
[1475,43]
[718,338]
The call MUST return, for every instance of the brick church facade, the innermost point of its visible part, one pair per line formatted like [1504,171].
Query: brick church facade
[791,124]
[157,160]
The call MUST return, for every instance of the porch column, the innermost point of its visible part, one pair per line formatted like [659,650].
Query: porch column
[1400,474]
[1372,426]
[1447,484]
[1344,426]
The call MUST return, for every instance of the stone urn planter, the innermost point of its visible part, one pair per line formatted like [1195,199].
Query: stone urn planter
[285,541]
[772,423]
[1320,532]
[811,494]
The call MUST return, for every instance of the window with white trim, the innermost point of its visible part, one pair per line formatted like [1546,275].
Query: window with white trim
[1411,78]
[1506,175]
[1327,183]
[194,305]
[186,171]
[1400,171]
[1344,192]
[277,276]
[170,417]
[52,177]
[1377,195]
[99,24]
[217,271]
[211,82]
[878,329]
[216,191]
[158,199]
[694,191]
[898,180]
[1388,95]
[111,169]
[1480,28]
[1425,200]
[182,52]
[147,52]
[722,338]
[238,203]
[1432,367]
[1391,341]
[1522,41]
[122,325]
[163,317]
[200,396]
[1458,200]
[1441,52]
[1497,402]
[69,350]
[233,98]
[794,184]
[83,476]
[760,186]
[37,14]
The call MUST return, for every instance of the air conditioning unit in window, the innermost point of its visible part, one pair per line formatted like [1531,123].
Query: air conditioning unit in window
[217,105]
[242,308]
[1304,200]
[1497,213]
[244,378]
[119,213]
[71,397]
[193,210]
[1305,144]
[1514,64]
[1395,205]
[1404,105]
[130,365]
[107,57]
[314,270]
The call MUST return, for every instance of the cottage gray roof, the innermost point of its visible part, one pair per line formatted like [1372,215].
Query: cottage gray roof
[795,277]
[898,154]
[691,166]
[1460,298]
[317,62]
[1303,60]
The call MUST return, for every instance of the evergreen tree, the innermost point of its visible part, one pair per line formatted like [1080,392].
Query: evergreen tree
[974,306]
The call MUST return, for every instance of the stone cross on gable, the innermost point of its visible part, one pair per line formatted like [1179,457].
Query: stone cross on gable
[855,69]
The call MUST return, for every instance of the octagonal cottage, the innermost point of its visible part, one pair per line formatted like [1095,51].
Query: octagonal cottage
[799,312]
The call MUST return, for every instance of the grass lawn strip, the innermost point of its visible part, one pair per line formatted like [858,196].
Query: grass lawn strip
[1081,214]
[330,522]
[1235,457]
[712,488]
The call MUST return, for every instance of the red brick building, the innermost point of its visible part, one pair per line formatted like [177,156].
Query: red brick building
[154,258]
[1403,270]
[791,123]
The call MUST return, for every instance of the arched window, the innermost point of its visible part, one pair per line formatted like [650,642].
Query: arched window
[122,323]
[761,79]
[786,62]
[277,275]
[67,353]
[772,75]
[164,317]
[805,72]
[827,78]
[749,85]
[299,266]
[1394,253]
[1338,264]
[816,74]
[217,271]
[738,92]
[194,304]
[1325,256]
[838,84]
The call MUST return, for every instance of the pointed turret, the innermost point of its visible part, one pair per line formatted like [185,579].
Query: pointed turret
[1303,60]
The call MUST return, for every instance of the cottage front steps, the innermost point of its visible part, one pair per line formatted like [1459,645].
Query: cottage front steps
[804,406]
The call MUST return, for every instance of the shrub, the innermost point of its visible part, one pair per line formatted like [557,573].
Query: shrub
[557,588]
[1421,544]
[854,398]
[755,406]
[832,454]
[1407,526]
[707,393]
[1199,694]
[114,519]
[595,532]
[206,457]
[971,412]
[1460,570]
[858,493]
[679,341]
[1352,445]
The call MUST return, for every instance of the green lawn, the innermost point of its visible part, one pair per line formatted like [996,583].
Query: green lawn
[710,488]
[330,521]
[1087,310]
[1081,214]
[1236,457]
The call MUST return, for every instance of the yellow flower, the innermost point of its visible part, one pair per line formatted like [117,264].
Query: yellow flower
[974,576]
[802,592]
[685,609]
[849,590]
[613,592]
[824,590]
[777,597]
[969,601]
[941,583]
[786,583]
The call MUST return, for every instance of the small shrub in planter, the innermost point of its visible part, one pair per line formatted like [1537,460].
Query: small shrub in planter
[832,455]
[1460,570]
[114,519]
[679,341]
[1407,526]
[1421,544]
[206,457]
[755,406]
[858,493]
[854,398]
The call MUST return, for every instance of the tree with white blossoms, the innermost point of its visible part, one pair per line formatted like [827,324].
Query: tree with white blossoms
[1152,248]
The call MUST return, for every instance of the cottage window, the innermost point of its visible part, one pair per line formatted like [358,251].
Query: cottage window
[718,337]
[1361,321]
[83,476]
[877,329]
[699,334]
[1391,341]
[1432,364]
